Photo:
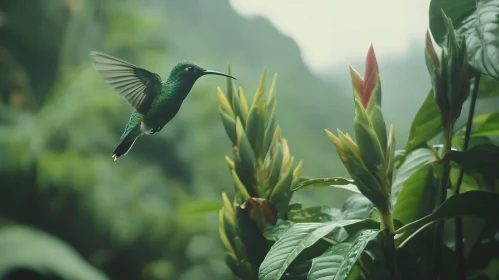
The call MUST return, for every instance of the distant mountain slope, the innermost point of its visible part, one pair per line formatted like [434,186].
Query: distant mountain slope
[212,33]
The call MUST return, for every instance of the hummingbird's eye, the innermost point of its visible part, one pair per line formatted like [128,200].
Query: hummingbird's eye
[189,69]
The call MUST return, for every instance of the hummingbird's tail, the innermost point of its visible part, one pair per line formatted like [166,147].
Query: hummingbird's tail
[131,133]
[123,147]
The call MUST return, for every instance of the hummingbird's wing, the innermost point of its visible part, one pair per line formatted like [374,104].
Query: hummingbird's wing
[136,85]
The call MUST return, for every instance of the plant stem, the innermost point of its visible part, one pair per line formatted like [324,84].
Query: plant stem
[388,230]
[461,262]
[442,195]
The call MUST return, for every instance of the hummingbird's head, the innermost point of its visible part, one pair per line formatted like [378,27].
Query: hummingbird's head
[189,72]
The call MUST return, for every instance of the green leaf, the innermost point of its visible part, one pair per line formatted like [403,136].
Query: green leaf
[239,186]
[337,262]
[490,126]
[356,207]
[22,247]
[482,159]
[478,22]
[425,125]
[276,166]
[270,121]
[230,126]
[415,198]
[237,108]
[326,182]
[245,159]
[255,129]
[412,163]
[370,148]
[316,214]
[488,88]
[282,187]
[475,203]
[299,237]
[276,231]
[379,125]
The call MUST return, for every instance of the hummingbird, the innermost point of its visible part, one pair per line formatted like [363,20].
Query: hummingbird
[155,102]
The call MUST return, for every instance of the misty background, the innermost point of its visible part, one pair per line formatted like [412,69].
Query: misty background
[153,214]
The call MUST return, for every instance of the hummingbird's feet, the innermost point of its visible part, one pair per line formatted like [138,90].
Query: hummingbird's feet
[156,129]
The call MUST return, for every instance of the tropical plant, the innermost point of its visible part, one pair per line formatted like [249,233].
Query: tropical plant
[427,211]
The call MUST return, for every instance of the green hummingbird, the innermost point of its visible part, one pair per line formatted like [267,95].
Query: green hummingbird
[155,102]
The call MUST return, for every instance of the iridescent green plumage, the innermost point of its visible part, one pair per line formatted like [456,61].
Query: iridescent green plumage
[155,102]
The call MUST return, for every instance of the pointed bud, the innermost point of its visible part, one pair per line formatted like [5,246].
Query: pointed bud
[431,57]
[339,147]
[357,83]
[230,163]
[371,78]
[224,103]
[223,236]
[243,104]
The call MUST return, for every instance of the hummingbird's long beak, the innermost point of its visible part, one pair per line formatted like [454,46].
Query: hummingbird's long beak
[211,72]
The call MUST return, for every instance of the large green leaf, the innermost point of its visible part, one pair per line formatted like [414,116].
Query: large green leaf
[490,126]
[426,124]
[414,200]
[481,159]
[475,203]
[276,231]
[356,207]
[478,22]
[22,247]
[412,163]
[337,262]
[294,241]
[489,88]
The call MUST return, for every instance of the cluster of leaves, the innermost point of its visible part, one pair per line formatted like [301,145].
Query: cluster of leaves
[263,171]
[423,212]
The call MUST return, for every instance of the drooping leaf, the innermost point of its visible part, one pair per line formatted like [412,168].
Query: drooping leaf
[475,203]
[426,124]
[22,247]
[296,239]
[478,22]
[482,159]
[326,182]
[413,162]
[337,262]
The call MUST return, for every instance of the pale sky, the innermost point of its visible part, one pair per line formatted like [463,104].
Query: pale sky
[330,32]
